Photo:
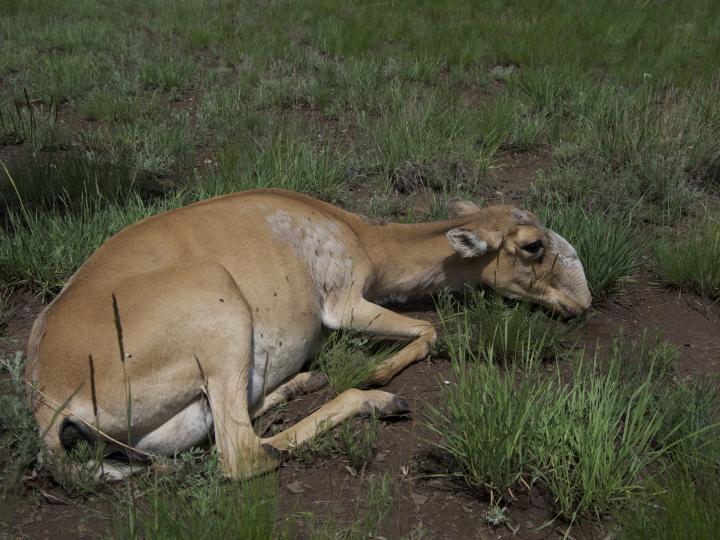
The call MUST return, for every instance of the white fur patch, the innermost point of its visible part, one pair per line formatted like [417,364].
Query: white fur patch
[566,253]
[572,275]
[189,427]
[320,245]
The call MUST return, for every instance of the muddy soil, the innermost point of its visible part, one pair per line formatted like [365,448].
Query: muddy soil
[441,507]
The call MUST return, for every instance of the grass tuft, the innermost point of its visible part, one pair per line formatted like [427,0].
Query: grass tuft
[347,360]
[604,242]
[692,259]
[684,507]
[498,330]
[197,502]
[593,439]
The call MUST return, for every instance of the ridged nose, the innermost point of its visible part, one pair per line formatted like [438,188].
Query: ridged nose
[577,298]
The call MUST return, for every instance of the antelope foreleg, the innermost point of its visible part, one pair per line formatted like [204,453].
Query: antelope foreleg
[372,319]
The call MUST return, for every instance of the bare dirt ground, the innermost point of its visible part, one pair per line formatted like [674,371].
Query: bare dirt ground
[442,507]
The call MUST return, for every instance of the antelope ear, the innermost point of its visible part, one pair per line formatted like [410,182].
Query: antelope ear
[466,242]
[458,207]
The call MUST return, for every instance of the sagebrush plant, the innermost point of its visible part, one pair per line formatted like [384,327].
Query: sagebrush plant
[604,241]
[497,329]
[20,440]
[692,258]
[79,473]
[19,436]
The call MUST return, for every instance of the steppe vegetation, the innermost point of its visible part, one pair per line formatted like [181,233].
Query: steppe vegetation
[114,111]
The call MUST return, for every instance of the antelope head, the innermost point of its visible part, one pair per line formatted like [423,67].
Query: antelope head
[519,257]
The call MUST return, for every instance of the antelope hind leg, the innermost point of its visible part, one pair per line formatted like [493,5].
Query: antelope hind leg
[348,404]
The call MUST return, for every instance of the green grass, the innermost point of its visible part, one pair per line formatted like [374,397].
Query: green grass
[684,507]
[605,242]
[358,442]
[43,249]
[692,259]
[498,330]
[49,180]
[6,306]
[19,437]
[593,439]
[354,439]
[110,112]
[196,501]
[36,127]
[691,426]
[348,359]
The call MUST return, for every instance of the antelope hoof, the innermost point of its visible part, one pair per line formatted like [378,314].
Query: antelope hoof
[397,406]
[275,453]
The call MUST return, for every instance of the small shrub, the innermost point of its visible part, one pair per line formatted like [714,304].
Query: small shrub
[692,259]
[20,440]
[79,474]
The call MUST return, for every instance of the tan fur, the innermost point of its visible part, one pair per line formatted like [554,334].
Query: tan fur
[222,302]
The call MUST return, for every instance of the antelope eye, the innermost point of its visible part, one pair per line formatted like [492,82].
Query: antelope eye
[533,247]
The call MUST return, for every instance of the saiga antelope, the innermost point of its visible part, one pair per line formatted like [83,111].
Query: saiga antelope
[222,302]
